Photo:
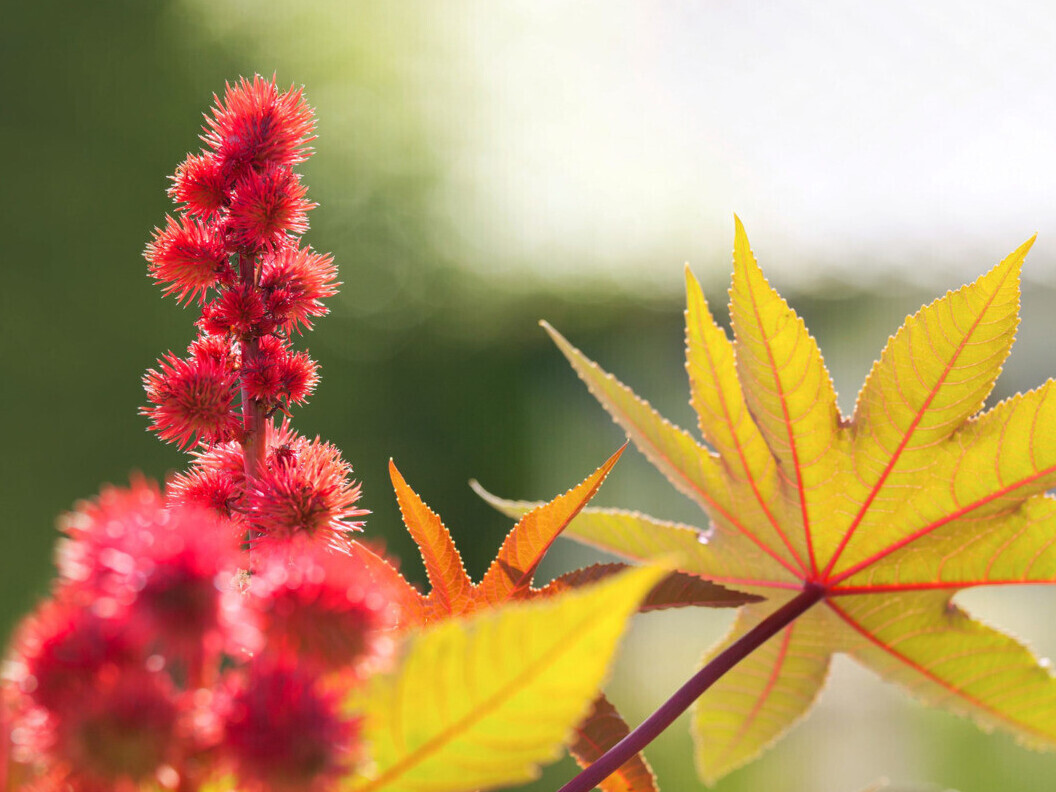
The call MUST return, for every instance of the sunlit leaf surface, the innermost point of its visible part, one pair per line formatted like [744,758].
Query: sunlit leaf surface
[892,510]
[481,701]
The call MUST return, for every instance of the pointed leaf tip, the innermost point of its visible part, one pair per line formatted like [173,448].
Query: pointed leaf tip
[510,574]
[738,229]
[451,588]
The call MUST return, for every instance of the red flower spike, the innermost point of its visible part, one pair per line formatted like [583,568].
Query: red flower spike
[189,258]
[267,208]
[193,400]
[305,493]
[200,186]
[120,732]
[239,310]
[285,733]
[295,281]
[323,607]
[256,126]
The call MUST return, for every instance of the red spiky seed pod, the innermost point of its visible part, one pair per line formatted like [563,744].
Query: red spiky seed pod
[323,607]
[298,375]
[218,348]
[182,579]
[217,476]
[295,282]
[166,569]
[285,732]
[215,480]
[121,731]
[278,374]
[114,518]
[238,310]
[199,185]
[188,258]
[256,125]
[193,400]
[267,209]
[305,493]
[58,650]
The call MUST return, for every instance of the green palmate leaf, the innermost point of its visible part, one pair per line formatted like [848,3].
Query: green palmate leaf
[889,512]
[482,701]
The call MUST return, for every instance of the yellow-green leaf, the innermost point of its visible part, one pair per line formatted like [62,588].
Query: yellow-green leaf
[943,656]
[934,374]
[481,702]
[887,513]
[638,537]
[752,705]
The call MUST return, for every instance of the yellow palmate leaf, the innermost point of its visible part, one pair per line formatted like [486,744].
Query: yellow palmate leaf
[765,694]
[882,516]
[946,658]
[790,395]
[934,375]
[638,537]
[482,701]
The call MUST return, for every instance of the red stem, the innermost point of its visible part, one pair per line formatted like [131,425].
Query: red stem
[254,422]
[649,729]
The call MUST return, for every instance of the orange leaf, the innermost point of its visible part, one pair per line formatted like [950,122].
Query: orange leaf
[385,574]
[598,732]
[510,574]
[451,586]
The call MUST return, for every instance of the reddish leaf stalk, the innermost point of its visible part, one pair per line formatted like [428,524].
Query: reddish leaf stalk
[651,728]
[254,421]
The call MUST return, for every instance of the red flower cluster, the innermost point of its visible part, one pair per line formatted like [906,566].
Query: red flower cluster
[235,249]
[155,661]
[303,491]
[160,661]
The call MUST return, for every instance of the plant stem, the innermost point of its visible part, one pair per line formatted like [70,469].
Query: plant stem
[254,422]
[649,729]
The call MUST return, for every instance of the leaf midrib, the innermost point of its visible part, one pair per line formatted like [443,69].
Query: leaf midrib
[875,640]
[911,430]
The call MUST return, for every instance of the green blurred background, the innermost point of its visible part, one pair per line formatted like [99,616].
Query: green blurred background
[480,167]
